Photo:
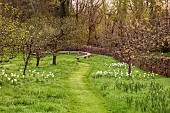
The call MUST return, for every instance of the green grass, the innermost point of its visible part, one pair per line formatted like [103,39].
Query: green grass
[37,93]
[85,101]
[117,91]
[72,86]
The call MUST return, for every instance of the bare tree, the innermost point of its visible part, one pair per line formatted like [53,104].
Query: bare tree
[94,17]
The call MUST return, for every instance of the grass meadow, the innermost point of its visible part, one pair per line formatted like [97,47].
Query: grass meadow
[49,88]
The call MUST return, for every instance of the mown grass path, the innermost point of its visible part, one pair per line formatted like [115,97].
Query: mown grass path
[85,101]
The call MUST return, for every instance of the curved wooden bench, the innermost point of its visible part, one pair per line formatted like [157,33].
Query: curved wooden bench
[86,54]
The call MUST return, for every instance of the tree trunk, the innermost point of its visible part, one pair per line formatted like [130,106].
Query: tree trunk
[77,13]
[32,6]
[38,61]
[62,9]
[38,57]
[54,59]
[26,63]
[129,68]
[91,35]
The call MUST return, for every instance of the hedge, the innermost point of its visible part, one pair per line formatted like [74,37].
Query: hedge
[145,61]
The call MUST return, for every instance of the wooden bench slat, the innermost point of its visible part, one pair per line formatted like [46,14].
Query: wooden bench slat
[87,55]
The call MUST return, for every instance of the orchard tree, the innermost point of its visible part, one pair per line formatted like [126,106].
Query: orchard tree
[61,12]
[35,39]
[9,32]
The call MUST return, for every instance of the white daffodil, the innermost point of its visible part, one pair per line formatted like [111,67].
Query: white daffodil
[47,75]
[3,72]
[14,75]
[99,73]
[5,75]
[105,73]
[15,80]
